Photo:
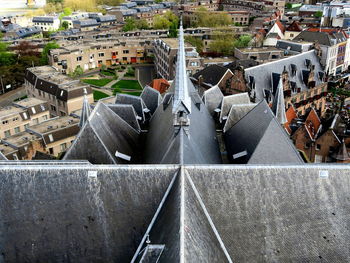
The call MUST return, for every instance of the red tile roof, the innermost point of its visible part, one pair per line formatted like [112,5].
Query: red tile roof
[161,85]
[291,114]
[279,24]
[312,124]
[295,27]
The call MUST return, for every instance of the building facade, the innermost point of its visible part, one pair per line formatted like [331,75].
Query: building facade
[63,94]
[22,114]
[165,51]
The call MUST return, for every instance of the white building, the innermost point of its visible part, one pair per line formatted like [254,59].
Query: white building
[47,23]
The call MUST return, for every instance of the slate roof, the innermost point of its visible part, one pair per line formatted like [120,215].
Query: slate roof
[211,74]
[199,212]
[321,37]
[135,101]
[103,135]
[2,157]
[151,98]
[260,77]
[258,138]
[213,98]
[228,101]
[342,154]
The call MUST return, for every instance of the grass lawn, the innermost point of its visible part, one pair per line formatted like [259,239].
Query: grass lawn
[127,87]
[99,95]
[97,82]
[108,73]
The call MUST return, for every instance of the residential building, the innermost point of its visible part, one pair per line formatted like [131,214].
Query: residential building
[293,30]
[276,32]
[16,118]
[165,51]
[57,134]
[90,55]
[334,48]
[62,93]
[86,24]
[24,145]
[216,76]
[47,23]
[261,55]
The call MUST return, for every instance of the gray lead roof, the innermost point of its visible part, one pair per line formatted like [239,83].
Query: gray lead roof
[181,94]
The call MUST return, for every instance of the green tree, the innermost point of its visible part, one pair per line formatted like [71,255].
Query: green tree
[318,14]
[158,1]
[77,72]
[242,41]
[223,44]
[65,25]
[44,54]
[160,22]
[289,5]
[141,24]
[130,24]
[196,42]
[205,18]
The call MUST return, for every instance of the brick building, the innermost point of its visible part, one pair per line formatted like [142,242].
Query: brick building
[62,93]
[92,55]
[22,114]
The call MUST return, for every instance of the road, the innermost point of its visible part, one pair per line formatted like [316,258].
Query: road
[7,98]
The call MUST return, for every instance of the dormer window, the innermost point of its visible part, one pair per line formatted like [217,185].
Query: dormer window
[293,70]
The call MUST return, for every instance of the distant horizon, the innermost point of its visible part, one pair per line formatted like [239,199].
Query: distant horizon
[17,7]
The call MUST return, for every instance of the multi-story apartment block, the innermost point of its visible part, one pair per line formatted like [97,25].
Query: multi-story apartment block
[63,94]
[57,134]
[165,51]
[333,45]
[95,54]
[47,23]
[22,114]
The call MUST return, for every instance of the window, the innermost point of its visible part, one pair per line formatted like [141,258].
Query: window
[101,54]
[62,113]
[318,147]
[5,122]
[125,58]
[306,145]
[53,108]
[33,110]
[125,51]
[25,115]
[42,107]
[45,117]
[331,149]
[26,126]
[63,147]
[80,58]
[17,129]
[7,133]
[50,137]
[51,150]
[35,121]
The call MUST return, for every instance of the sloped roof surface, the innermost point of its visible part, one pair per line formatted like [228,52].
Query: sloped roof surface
[104,134]
[101,213]
[228,101]
[259,131]
[312,124]
[2,157]
[151,98]
[211,74]
[212,98]
[262,74]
